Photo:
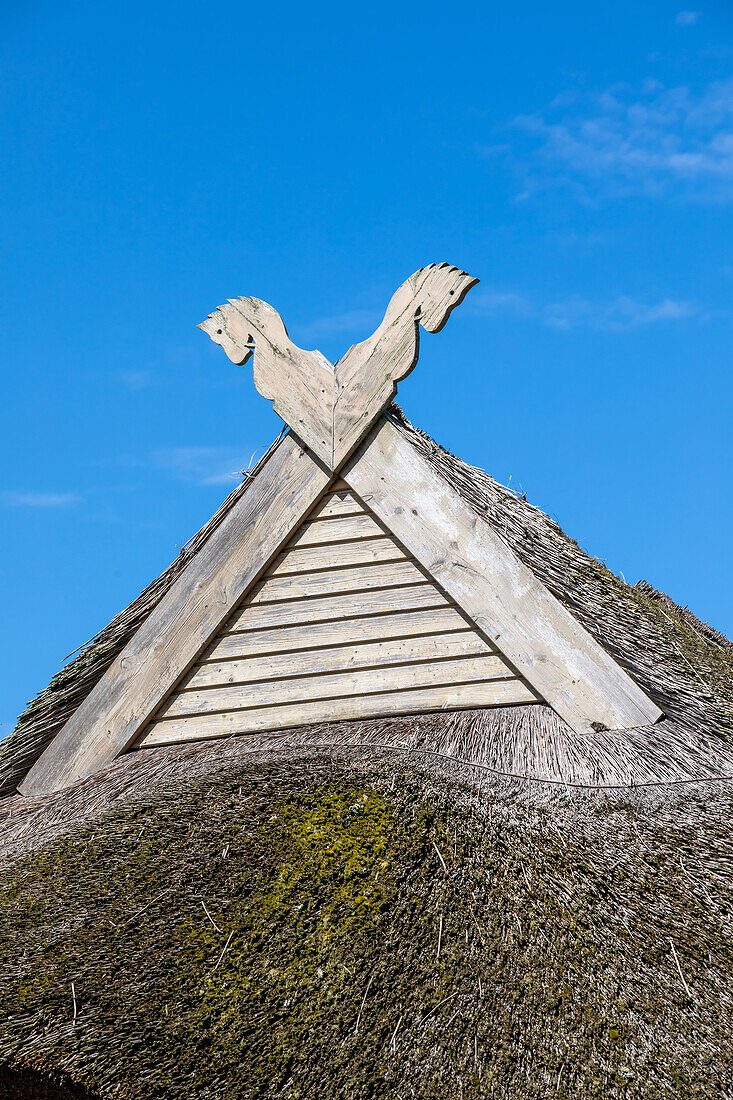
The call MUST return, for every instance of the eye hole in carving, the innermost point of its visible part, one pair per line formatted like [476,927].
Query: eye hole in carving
[218,332]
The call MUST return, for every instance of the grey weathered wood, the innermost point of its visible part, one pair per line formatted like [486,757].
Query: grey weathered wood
[493,693]
[302,559]
[337,529]
[343,605]
[367,375]
[337,504]
[329,685]
[332,407]
[299,383]
[353,578]
[332,632]
[184,621]
[308,662]
[555,654]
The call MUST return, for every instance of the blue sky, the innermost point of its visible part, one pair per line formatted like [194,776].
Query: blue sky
[159,158]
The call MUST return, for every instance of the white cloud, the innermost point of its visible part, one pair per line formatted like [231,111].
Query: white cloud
[205,465]
[576,311]
[650,139]
[489,303]
[618,313]
[359,323]
[41,500]
[687,18]
[135,380]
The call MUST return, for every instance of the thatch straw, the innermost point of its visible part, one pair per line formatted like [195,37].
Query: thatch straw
[585,936]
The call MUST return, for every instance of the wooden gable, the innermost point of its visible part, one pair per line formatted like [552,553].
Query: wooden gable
[387,595]
[344,624]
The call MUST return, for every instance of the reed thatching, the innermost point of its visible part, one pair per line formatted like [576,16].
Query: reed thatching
[454,905]
[213,922]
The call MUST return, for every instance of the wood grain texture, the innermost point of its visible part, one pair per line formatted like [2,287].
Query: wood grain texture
[336,632]
[337,504]
[352,578]
[321,609]
[328,685]
[332,407]
[303,559]
[367,375]
[337,529]
[493,693]
[411,653]
[358,655]
[484,577]
[299,383]
[185,619]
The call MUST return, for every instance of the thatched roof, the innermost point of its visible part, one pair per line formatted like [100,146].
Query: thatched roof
[683,665]
[468,904]
[209,922]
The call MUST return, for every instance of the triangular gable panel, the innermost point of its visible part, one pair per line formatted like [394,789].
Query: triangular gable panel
[344,624]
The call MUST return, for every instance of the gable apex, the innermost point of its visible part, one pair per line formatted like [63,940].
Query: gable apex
[543,643]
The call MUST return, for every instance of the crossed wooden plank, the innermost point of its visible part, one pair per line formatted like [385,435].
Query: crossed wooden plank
[335,415]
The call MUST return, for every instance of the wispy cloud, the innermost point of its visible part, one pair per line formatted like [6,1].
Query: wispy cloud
[135,380]
[619,313]
[489,303]
[652,139]
[687,18]
[40,500]
[358,323]
[576,311]
[205,465]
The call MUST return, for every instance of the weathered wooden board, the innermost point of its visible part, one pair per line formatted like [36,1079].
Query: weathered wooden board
[309,662]
[493,693]
[342,503]
[334,632]
[484,577]
[352,578]
[321,609]
[335,555]
[367,375]
[332,407]
[185,619]
[331,685]
[299,383]
[336,529]
[378,651]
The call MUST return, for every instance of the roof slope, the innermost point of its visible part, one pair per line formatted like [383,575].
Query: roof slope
[684,666]
[221,924]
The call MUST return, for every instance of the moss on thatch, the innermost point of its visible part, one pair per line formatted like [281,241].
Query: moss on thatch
[365,925]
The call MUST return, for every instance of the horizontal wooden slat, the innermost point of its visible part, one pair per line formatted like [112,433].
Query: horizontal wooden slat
[336,529]
[468,557]
[286,639]
[345,605]
[184,620]
[331,685]
[494,693]
[337,658]
[306,559]
[337,504]
[351,579]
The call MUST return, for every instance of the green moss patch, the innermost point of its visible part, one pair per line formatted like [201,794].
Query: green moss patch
[341,929]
